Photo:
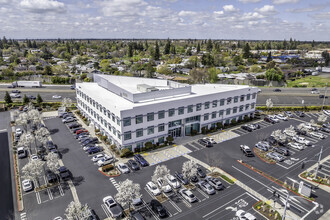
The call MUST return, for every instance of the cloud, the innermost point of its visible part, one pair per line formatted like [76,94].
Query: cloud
[277,2]
[252,16]
[249,1]
[311,8]
[122,7]
[187,13]
[42,6]
[321,16]
[230,8]
[266,10]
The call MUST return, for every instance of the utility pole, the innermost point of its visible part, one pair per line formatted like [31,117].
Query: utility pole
[286,204]
[318,162]
[325,93]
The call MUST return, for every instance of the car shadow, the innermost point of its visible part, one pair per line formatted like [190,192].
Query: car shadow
[78,180]
[53,131]
[64,150]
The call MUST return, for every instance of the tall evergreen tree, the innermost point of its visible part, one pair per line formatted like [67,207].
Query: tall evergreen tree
[25,100]
[246,51]
[34,44]
[130,50]
[209,45]
[269,57]
[167,47]
[8,98]
[39,99]
[198,47]
[156,54]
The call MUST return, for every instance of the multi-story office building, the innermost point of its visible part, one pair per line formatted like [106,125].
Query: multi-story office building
[132,111]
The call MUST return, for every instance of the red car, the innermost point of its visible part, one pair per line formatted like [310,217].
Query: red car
[81,131]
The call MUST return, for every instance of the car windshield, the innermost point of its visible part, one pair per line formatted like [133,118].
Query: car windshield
[153,187]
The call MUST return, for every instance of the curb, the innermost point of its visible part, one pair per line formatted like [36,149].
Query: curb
[263,159]
[308,180]
[18,201]
[107,174]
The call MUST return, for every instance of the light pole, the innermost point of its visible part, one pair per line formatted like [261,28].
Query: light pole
[318,162]
[325,93]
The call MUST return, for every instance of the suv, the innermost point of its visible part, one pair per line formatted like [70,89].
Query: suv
[247,128]
[181,178]
[133,165]
[115,209]
[51,177]
[246,150]
[158,208]
[216,183]
[289,114]
[262,145]
[206,187]
[21,153]
[138,158]
[64,173]
[200,172]
[282,151]
[205,143]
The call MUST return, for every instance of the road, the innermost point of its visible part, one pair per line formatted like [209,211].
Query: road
[287,97]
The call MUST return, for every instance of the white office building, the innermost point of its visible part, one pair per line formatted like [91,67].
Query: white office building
[132,111]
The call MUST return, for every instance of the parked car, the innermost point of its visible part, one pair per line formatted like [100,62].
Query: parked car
[181,178]
[274,118]
[113,207]
[309,126]
[262,145]
[269,119]
[173,182]
[98,157]
[317,135]
[81,131]
[275,156]
[323,97]
[281,117]
[90,141]
[133,165]
[206,187]
[158,208]
[105,161]
[188,195]
[123,168]
[31,97]
[301,140]
[296,145]
[51,176]
[205,143]
[246,151]
[200,172]
[254,126]
[241,214]
[34,157]
[74,125]
[93,150]
[247,128]
[64,173]
[16,91]
[165,187]
[68,119]
[326,112]
[271,140]
[214,182]
[300,113]
[15,95]
[138,158]
[153,188]
[289,114]
[326,125]
[282,151]
[327,130]
[92,215]
[27,185]
[18,131]
[136,215]
[210,140]
[277,90]
[21,153]
[56,97]
[194,179]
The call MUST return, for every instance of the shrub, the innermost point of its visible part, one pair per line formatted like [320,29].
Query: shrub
[126,153]
[97,130]
[107,168]
[169,139]
[219,125]
[148,145]
[194,132]
[204,130]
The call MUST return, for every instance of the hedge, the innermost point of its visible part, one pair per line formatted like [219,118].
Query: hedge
[107,168]
[126,153]
[292,108]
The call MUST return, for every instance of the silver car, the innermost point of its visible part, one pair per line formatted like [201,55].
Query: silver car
[216,183]
[188,195]
[206,187]
[275,156]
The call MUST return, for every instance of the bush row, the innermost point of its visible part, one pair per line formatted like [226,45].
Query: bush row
[292,108]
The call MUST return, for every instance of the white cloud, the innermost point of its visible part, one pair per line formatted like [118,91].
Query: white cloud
[42,6]
[122,7]
[218,12]
[266,10]
[311,8]
[249,1]
[187,13]
[252,16]
[277,2]
[321,16]
[230,8]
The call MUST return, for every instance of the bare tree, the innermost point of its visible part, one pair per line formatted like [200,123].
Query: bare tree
[301,127]
[34,117]
[312,121]
[42,135]
[33,170]
[22,119]
[76,211]
[52,162]
[26,140]
[161,171]
[66,102]
[269,103]
[290,131]
[127,191]
[189,169]
[322,119]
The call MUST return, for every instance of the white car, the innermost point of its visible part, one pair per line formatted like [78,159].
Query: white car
[210,140]
[327,112]
[163,186]
[98,157]
[153,188]
[15,95]
[188,195]
[27,185]
[315,92]
[289,133]
[242,215]
[274,118]
[317,135]
[296,145]
[123,168]
[281,117]
[57,96]
[105,161]
[34,157]
[301,140]
[173,182]
[309,126]
[18,131]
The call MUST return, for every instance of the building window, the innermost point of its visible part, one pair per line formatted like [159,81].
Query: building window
[252,106]
[228,100]
[114,131]
[228,111]
[221,113]
[181,111]
[242,98]
[235,99]
[234,110]
[247,107]
[214,114]
[161,140]
[214,104]
[193,119]
[161,114]
[206,117]
[174,123]
[222,102]
[151,130]
[109,114]
[127,122]
[150,116]
[104,111]
[171,112]
[138,119]
[139,132]
[199,107]
[118,121]
[161,127]
[105,123]
[113,118]
[248,96]
[190,108]
[253,96]
[109,126]
[119,135]
[207,105]
[241,108]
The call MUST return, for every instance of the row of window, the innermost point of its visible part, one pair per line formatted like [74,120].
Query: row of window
[140,132]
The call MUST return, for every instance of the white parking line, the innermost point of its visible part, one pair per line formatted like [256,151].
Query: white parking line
[38,198]
[106,211]
[23,216]
[294,164]
[173,203]
[203,193]
[185,201]
[194,147]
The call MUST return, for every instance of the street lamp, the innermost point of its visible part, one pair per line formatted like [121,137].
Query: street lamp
[318,162]
[325,93]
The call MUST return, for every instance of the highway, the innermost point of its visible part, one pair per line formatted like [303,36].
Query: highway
[287,97]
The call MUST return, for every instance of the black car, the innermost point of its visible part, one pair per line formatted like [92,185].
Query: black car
[133,165]
[200,172]
[92,215]
[247,128]
[300,132]
[51,177]
[271,140]
[282,151]
[300,113]
[90,141]
[270,120]
[277,90]
[181,178]
[194,179]
[326,125]
[51,145]
[322,96]
[74,125]
[158,208]
[138,158]
[64,173]
[31,97]
[72,87]
[15,91]
[205,143]
[136,216]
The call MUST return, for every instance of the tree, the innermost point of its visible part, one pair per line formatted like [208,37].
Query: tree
[53,162]
[269,103]
[130,50]
[290,130]
[198,75]
[279,136]
[209,45]
[274,75]
[164,70]
[246,51]
[169,139]
[269,57]
[213,75]
[22,119]
[255,69]
[127,191]
[39,99]
[189,169]
[150,70]
[270,65]
[8,98]
[167,47]
[25,100]
[33,170]
[322,119]
[161,171]
[66,102]
[198,47]
[48,70]
[156,54]
[26,139]
[76,211]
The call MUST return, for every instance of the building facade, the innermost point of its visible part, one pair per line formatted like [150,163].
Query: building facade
[132,111]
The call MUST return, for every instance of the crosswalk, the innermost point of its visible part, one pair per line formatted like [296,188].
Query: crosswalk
[51,117]
[114,182]
[23,216]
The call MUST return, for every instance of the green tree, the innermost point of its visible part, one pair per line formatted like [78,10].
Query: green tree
[164,70]
[213,75]
[269,57]
[8,98]
[156,54]
[198,47]
[39,99]
[255,69]
[25,100]
[167,47]
[198,75]
[48,70]
[150,70]
[130,50]
[209,45]
[274,75]
[270,65]
[246,51]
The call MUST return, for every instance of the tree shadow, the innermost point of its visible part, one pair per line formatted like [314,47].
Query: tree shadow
[64,150]
[53,131]
[78,180]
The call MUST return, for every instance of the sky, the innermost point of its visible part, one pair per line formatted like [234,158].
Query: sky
[194,19]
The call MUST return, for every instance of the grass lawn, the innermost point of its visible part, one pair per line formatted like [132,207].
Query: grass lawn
[309,81]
